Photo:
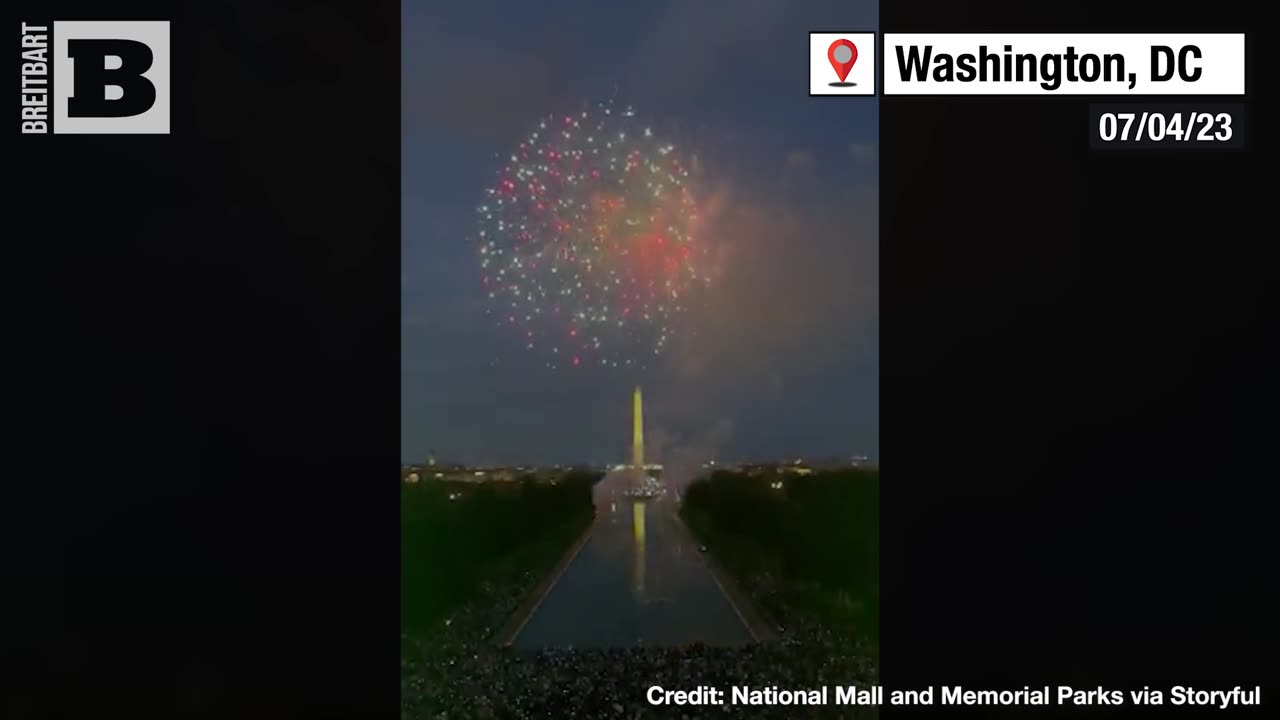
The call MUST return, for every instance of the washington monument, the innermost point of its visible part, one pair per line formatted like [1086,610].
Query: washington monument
[637,431]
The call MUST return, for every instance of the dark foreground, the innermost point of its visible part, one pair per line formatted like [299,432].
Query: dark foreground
[638,581]
[612,683]
[459,668]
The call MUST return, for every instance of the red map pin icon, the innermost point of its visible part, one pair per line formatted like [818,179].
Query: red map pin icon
[842,54]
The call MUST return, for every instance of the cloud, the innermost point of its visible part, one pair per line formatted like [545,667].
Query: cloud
[682,457]
[797,291]
[792,284]
[697,43]
[800,160]
[862,152]
[799,174]
[458,84]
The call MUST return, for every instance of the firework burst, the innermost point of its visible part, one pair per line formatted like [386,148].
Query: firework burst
[587,240]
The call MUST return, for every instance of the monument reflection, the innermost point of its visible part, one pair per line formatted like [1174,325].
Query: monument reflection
[637,549]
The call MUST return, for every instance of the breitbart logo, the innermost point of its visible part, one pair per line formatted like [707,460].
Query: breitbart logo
[95,77]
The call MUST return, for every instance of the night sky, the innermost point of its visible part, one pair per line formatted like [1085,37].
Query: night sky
[779,358]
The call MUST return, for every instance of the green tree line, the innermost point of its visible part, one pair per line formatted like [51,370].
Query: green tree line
[449,546]
[818,534]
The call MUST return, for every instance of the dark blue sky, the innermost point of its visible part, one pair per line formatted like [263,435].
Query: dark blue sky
[785,359]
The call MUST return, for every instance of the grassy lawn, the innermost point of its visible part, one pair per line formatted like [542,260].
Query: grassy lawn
[816,537]
[456,536]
